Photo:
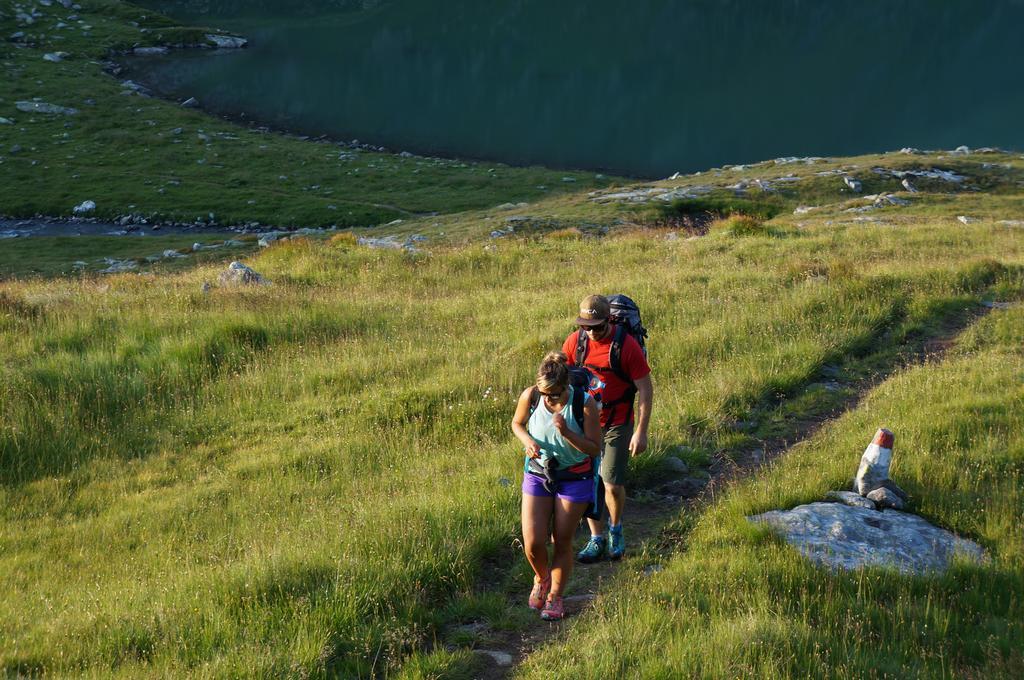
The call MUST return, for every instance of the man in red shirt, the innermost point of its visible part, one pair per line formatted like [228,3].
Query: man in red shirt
[624,435]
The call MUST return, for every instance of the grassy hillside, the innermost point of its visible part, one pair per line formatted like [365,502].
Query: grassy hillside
[307,477]
[316,477]
[136,155]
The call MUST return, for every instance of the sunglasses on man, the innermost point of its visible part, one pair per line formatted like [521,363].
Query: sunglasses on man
[597,329]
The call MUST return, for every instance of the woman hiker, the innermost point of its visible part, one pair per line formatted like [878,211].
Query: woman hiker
[559,479]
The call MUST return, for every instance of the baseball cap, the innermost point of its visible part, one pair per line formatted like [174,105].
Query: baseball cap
[594,311]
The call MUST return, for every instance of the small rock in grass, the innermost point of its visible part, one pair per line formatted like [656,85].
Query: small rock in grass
[831,371]
[472,629]
[149,51]
[964,219]
[55,57]
[961,151]
[238,274]
[689,487]
[908,186]
[6,121]
[190,103]
[886,499]
[854,500]
[172,254]
[895,488]
[854,184]
[500,658]
[43,107]
[226,42]
[676,465]
[84,208]
[119,266]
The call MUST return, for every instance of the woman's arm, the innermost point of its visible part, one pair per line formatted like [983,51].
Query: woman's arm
[590,441]
[519,420]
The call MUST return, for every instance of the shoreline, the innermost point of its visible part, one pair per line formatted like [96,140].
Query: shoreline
[257,124]
[116,67]
[38,227]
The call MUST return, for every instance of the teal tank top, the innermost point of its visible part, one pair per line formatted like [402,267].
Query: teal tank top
[542,428]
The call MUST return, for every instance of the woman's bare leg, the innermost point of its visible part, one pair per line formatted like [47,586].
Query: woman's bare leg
[567,518]
[536,516]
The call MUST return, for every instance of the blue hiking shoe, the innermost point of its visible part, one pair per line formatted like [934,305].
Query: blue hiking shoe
[593,551]
[617,544]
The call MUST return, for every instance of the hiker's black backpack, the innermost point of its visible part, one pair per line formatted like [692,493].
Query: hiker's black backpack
[625,319]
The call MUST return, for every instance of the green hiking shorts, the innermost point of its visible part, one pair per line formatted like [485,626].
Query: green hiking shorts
[616,454]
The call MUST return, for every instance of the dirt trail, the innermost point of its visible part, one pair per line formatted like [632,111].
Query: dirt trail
[649,515]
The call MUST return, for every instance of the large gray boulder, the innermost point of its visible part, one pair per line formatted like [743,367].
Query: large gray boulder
[837,535]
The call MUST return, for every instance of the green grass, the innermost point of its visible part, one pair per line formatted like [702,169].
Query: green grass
[312,477]
[735,602]
[306,477]
[49,256]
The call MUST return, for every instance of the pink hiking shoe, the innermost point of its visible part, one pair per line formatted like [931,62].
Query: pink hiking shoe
[539,594]
[554,610]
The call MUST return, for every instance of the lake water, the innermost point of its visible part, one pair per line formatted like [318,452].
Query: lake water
[644,87]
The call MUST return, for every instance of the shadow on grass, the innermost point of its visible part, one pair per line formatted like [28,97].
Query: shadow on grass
[114,390]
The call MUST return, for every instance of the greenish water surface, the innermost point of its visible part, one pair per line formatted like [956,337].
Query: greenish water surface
[645,87]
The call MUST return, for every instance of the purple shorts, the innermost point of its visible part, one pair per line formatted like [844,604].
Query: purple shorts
[581,491]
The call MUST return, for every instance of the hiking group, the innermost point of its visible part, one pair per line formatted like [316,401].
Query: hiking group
[586,414]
